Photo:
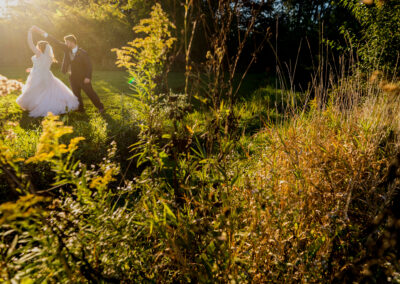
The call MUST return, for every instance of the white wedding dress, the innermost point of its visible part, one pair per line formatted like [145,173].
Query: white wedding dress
[43,92]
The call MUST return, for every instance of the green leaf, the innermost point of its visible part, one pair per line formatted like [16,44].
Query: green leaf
[169,211]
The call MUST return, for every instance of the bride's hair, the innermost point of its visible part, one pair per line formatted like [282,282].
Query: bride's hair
[41,45]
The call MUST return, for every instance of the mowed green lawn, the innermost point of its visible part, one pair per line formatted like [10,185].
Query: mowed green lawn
[104,82]
[113,86]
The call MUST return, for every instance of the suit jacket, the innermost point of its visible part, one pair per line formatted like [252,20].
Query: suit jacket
[81,66]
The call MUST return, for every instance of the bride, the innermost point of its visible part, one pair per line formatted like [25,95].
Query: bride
[43,92]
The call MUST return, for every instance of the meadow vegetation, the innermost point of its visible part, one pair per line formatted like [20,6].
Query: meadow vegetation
[177,184]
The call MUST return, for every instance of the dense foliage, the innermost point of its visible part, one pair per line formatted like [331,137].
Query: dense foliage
[380,42]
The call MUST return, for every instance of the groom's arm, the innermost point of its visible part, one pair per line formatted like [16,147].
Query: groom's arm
[53,41]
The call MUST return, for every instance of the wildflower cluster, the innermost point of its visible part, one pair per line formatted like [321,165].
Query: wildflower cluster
[9,86]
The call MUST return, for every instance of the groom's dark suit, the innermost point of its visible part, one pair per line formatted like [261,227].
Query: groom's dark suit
[79,67]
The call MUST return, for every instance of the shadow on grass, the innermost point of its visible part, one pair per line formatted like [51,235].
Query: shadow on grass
[29,123]
[32,123]
[124,132]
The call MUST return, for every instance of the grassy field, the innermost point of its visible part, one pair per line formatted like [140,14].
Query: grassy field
[117,81]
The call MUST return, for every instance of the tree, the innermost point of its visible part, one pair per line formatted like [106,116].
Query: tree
[380,29]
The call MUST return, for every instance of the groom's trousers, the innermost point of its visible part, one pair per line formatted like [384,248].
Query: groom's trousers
[77,86]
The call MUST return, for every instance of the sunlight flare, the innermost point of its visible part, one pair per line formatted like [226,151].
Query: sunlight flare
[4,5]
[7,3]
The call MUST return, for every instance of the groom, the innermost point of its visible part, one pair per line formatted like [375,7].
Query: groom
[77,63]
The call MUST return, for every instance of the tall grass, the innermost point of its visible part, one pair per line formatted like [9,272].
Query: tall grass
[314,186]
